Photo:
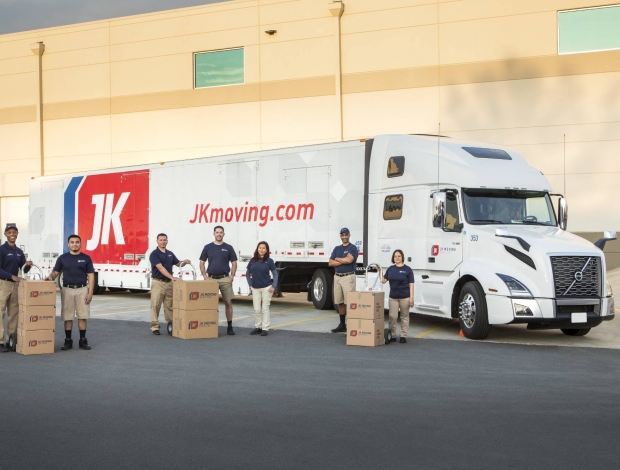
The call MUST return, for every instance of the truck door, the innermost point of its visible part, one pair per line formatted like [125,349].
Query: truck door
[444,252]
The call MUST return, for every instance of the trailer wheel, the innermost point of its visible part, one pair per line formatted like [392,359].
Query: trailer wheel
[576,332]
[473,314]
[13,342]
[169,328]
[321,289]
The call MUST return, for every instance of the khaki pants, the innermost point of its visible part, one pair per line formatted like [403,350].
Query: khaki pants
[226,289]
[161,293]
[342,285]
[9,307]
[261,299]
[395,305]
[72,302]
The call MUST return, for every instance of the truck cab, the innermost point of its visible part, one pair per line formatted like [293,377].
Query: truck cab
[479,228]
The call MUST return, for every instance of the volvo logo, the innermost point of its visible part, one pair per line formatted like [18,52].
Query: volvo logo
[578,276]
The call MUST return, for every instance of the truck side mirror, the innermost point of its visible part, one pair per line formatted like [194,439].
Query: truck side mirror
[439,210]
[562,213]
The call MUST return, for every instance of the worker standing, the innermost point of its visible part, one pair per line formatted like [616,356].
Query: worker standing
[11,260]
[162,261]
[401,294]
[262,276]
[222,267]
[78,283]
[343,258]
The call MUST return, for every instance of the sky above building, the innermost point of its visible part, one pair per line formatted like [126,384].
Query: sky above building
[26,15]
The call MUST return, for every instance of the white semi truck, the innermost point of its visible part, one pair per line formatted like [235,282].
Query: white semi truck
[475,221]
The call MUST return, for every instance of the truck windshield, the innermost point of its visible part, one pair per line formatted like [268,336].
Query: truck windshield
[508,206]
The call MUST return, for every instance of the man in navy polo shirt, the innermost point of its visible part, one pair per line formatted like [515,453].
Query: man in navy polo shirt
[162,261]
[11,260]
[343,258]
[222,267]
[78,283]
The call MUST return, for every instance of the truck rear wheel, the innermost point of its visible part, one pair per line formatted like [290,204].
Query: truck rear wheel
[577,332]
[321,289]
[473,314]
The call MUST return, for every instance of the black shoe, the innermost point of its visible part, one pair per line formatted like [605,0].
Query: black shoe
[256,331]
[68,345]
[4,348]
[230,331]
[264,333]
[402,339]
[392,339]
[84,344]
[156,332]
[340,329]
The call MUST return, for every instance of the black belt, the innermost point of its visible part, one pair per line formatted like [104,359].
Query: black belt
[161,280]
[74,286]
[8,280]
[218,277]
[345,274]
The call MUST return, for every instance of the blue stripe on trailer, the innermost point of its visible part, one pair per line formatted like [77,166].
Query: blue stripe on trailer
[69,212]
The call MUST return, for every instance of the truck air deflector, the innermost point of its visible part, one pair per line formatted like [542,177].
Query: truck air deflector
[493,154]
[521,256]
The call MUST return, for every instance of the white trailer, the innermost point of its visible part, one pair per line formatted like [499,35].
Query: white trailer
[475,221]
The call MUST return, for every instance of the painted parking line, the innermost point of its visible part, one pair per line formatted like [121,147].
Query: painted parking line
[433,330]
[333,315]
[272,314]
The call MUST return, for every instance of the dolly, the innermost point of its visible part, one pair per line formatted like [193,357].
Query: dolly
[13,336]
[387,333]
[180,278]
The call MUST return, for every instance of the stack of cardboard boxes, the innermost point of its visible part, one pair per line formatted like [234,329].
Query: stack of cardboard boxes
[365,319]
[37,317]
[195,312]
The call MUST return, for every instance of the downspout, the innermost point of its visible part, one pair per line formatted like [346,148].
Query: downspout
[336,8]
[38,49]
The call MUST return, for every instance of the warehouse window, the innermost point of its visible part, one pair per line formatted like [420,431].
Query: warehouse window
[393,207]
[396,167]
[219,68]
[589,30]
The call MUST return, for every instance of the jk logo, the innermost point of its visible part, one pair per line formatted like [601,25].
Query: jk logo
[107,216]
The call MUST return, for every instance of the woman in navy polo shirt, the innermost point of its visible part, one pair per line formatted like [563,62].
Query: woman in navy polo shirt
[261,283]
[401,294]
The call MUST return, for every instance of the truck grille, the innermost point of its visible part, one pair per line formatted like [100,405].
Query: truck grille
[576,276]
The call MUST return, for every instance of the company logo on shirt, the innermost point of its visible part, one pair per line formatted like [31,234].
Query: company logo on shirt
[81,261]
[193,325]
[109,211]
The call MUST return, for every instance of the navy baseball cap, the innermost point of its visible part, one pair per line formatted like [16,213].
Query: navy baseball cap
[9,227]
[345,230]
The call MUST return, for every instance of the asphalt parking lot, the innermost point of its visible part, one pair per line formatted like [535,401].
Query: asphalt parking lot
[305,400]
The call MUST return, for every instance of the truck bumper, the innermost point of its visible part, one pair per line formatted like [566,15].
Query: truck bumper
[550,313]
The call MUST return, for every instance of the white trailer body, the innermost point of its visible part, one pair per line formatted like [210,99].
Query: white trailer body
[475,222]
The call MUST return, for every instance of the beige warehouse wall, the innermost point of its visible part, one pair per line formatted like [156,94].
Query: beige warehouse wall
[120,92]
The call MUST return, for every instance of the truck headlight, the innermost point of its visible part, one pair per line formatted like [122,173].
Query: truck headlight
[516,288]
[610,293]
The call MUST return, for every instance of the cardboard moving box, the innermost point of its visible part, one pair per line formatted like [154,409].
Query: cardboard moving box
[365,332]
[195,324]
[36,293]
[195,295]
[35,342]
[365,305]
[37,317]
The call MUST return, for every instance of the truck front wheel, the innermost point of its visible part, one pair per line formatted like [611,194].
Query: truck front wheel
[321,289]
[577,332]
[473,314]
